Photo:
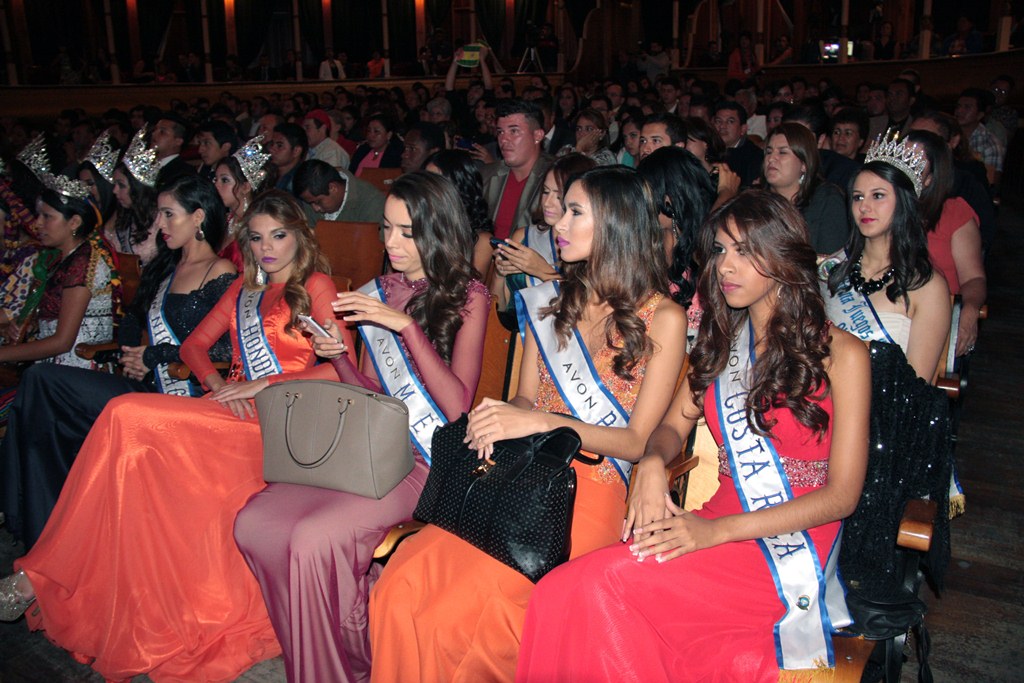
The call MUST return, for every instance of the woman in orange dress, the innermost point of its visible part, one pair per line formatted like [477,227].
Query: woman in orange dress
[136,570]
[444,610]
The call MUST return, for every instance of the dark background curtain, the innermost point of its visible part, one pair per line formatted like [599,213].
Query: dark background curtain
[357,31]
[154,16]
[251,22]
[438,12]
[402,30]
[656,19]
[528,12]
[578,11]
[53,23]
[311,22]
[491,15]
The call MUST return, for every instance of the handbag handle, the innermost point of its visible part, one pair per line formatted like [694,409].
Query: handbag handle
[343,406]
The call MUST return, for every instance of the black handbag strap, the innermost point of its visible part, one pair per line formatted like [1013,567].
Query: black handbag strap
[343,406]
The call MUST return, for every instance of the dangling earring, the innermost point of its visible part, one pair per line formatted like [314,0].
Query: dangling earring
[200,235]
[802,176]
[261,276]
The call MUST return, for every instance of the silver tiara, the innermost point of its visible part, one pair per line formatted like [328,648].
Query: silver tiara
[34,156]
[908,158]
[64,186]
[103,156]
[252,158]
[141,162]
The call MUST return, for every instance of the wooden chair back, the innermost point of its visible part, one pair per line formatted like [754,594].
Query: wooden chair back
[498,343]
[131,273]
[381,178]
[354,250]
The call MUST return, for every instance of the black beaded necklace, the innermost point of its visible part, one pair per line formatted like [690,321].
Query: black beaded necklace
[868,287]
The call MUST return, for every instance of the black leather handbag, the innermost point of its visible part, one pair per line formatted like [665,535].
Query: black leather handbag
[519,510]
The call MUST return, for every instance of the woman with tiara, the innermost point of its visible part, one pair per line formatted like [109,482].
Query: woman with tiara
[134,188]
[238,179]
[136,570]
[883,288]
[56,405]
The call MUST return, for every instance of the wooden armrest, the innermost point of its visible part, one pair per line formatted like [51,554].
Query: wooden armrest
[680,465]
[916,526]
[179,370]
[395,536]
[983,312]
[89,351]
[950,384]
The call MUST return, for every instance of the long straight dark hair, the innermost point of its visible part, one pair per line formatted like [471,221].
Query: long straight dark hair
[790,368]
[626,264]
[444,240]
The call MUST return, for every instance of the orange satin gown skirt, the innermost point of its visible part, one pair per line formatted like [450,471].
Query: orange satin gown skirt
[445,611]
[137,570]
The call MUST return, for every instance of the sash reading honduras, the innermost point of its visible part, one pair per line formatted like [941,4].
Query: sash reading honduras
[398,379]
[160,332]
[850,310]
[571,368]
[543,242]
[258,359]
[812,595]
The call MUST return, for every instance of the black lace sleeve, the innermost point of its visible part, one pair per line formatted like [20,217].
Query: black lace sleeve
[184,312]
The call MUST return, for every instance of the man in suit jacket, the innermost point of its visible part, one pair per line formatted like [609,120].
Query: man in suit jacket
[168,137]
[743,156]
[512,185]
[335,195]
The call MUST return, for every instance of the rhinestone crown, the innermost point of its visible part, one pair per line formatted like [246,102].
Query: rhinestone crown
[252,158]
[908,158]
[141,162]
[103,156]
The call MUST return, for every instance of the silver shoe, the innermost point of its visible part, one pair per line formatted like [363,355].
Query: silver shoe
[12,603]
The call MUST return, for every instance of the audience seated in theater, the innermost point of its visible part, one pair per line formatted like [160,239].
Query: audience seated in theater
[530,256]
[850,133]
[512,184]
[629,142]
[954,240]
[969,181]
[743,156]
[613,308]
[168,136]
[382,147]
[882,287]
[703,142]
[661,130]
[591,138]
[457,166]
[336,195]
[312,548]
[802,393]
[57,405]
[215,140]
[322,147]
[791,170]
[899,99]
[683,194]
[19,188]
[157,472]
[238,179]
[832,166]
[287,144]
[421,140]
[969,112]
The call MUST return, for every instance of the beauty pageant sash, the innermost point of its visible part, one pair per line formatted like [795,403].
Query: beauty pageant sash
[258,359]
[160,332]
[850,310]
[571,368]
[543,242]
[812,594]
[398,379]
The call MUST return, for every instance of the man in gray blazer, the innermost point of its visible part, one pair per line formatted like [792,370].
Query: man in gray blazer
[512,185]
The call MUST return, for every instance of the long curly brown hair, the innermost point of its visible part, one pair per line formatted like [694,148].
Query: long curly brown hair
[790,368]
[626,264]
[284,209]
[444,240]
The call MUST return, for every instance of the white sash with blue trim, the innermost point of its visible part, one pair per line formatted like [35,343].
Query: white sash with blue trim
[160,332]
[543,242]
[398,379]
[571,368]
[812,594]
[852,311]
[258,358]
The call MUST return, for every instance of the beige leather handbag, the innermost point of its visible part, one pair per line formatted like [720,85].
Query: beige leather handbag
[334,436]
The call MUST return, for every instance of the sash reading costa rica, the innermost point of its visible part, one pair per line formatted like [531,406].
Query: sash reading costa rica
[571,368]
[812,594]
[398,379]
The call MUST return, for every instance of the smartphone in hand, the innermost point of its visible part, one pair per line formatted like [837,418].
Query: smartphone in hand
[314,327]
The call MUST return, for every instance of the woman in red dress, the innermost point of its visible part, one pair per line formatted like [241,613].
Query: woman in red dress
[693,596]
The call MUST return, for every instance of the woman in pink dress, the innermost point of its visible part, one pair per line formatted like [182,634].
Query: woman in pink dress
[693,596]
